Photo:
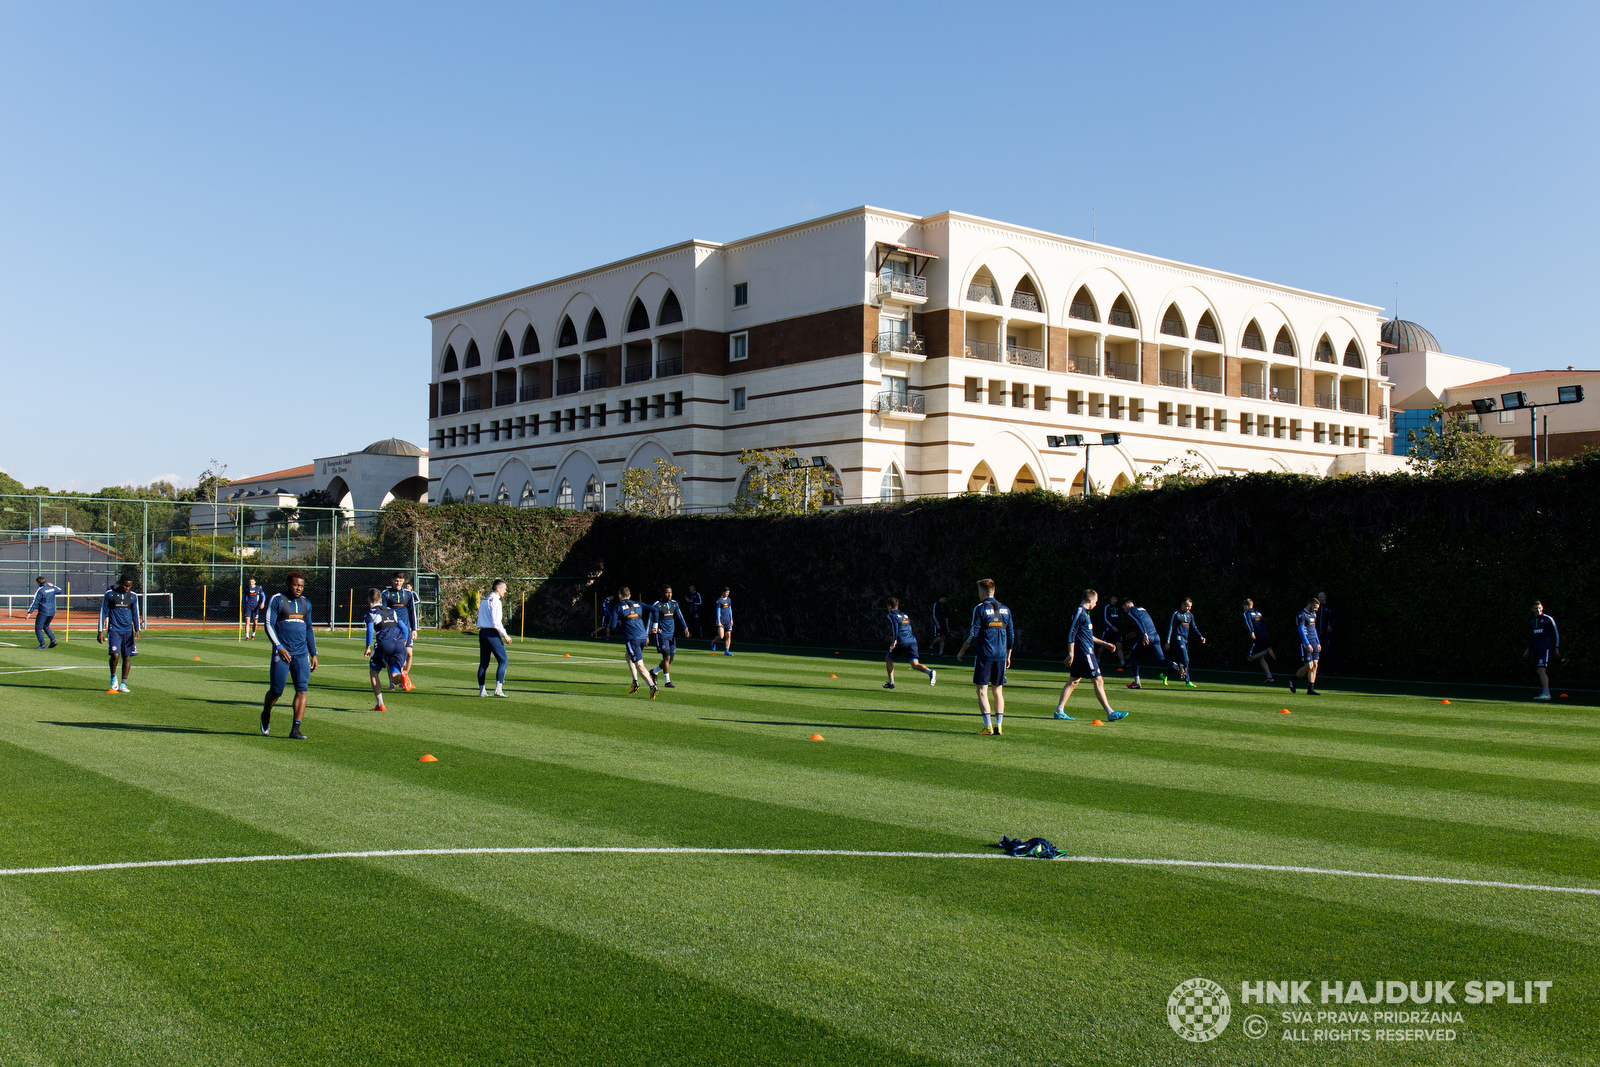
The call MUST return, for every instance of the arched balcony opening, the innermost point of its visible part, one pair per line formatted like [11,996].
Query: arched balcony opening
[530,342]
[504,350]
[1206,330]
[671,311]
[1083,306]
[1172,322]
[1122,313]
[1025,297]
[1283,344]
[638,317]
[1352,357]
[982,289]
[473,359]
[596,328]
[982,480]
[1324,353]
[1252,339]
[450,364]
[1024,480]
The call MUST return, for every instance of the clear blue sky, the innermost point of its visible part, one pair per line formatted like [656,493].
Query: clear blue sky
[222,224]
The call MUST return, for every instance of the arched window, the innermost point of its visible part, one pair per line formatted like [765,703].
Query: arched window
[447,498]
[671,310]
[1206,329]
[1253,339]
[1025,297]
[638,317]
[892,488]
[564,494]
[1122,313]
[473,359]
[982,289]
[530,342]
[503,496]
[450,365]
[591,494]
[832,489]
[526,501]
[1083,306]
[1024,480]
[1325,350]
[596,330]
[472,495]
[982,480]
[568,334]
[1282,345]
[1172,322]
[505,351]
[1352,356]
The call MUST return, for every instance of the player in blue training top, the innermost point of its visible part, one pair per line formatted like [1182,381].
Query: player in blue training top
[1260,649]
[387,632]
[43,608]
[941,624]
[1178,629]
[628,616]
[1305,625]
[294,650]
[608,608]
[1112,633]
[119,628]
[995,635]
[404,601]
[724,622]
[1545,643]
[665,617]
[254,599]
[1081,660]
[1146,641]
[903,639]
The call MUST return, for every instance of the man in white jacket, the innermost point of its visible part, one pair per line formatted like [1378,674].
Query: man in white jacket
[492,638]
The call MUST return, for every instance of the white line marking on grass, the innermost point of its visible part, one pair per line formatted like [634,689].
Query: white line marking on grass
[544,850]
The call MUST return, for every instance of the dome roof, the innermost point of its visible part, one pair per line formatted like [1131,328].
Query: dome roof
[1408,337]
[396,447]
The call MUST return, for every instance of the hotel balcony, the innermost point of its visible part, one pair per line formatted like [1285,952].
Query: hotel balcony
[1253,390]
[1285,394]
[471,403]
[640,373]
[1355,405]
[594,380]
[1207,383]
[1128,372]
[910,407]
[449,407]
[528,392]
[1083,364]
[666,368]
[900,344]
[1024,357]
[900,289]
[1174,378]
[567,385]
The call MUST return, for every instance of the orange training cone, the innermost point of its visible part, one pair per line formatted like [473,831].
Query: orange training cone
[567,654]
[1097,722]
[835,676]
[1283,711]
[818,737]
[425,758]
[197,659]
[1563,696]
[1444,702]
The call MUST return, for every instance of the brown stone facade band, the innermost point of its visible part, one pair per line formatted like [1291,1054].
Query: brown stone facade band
[1056,350]
[1374,396]
[1558,445]
[705,352]
[1308,387]
[433,401]
[1232,375]
[1149,363]
[613,358]
[546,371]
[941,331]
[809,337]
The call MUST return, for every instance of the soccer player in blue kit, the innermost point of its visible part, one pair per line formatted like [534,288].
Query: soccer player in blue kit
[691,614]
[992,631]
[403,601]
[254,598]
[665,615]
[1081,660]
[941,624]
[1544,643]
[1112,616]
[1305,625]
[903,640]
[724,622]
[43,608]
[294,650]
[1260,641]
[1147,641]
[628,616]
[119,628]
[1178,628]
[386,643]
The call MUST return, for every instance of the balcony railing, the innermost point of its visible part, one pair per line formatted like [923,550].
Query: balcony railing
[975,349]
[1354,404]
[595,380]
[1205,332]
[1324,400]
[905,403]
[1254,390]
[471,403]
[1080,310]
[1128,372]
[567,385]
[1172,328]
[1174,378]
[1083,364]
[909,343]
[502,397]
[1025,357]
[449,407]
[1383,367]
[1208,383]
[666,368]
[1024,301]
[1383,411]
[528,392]
[1286,394]
[1118,317]
[900,283]
[640,373]
[983,294]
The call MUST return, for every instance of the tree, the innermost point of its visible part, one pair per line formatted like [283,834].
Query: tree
[212,480]
[768,489]
[654,491]
[1450,445]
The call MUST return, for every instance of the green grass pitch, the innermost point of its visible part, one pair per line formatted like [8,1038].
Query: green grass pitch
[648,958]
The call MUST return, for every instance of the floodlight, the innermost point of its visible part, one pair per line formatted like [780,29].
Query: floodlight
[791,464]
[1569,394]
[819,461]
[1513,400]
[1484,406]
[1073,440]
[1111,438]
[1052,442]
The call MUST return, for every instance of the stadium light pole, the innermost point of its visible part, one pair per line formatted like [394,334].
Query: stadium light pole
[798,464]
[1565,394]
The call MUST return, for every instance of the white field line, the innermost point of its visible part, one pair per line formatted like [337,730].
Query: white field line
[670,851]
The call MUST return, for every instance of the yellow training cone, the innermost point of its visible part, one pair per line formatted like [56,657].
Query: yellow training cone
[425,758]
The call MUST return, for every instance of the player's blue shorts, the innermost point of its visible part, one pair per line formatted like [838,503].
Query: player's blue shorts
[1084,665]
[988,671]
[725,623]
[298,668]
[634,650]
[908,649]
[122,642]
[667,644]
[1541,658]
[1310,653]
[392,656]
[1257,648]
[1180,653]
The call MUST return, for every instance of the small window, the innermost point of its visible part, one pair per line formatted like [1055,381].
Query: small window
[738,399]
[1041,398]
[1019,394]
[738,346]
[675,401]
[741,295]
[997,391]
[974,390]
[1508,416]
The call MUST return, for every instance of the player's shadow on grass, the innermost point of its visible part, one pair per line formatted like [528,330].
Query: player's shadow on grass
[141,727]
[826,725]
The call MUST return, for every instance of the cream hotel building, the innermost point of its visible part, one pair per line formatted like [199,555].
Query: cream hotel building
[923,356]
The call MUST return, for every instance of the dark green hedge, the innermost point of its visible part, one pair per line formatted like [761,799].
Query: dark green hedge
[1429,577]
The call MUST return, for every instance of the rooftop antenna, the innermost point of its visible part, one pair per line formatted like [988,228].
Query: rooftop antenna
[1397,301]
